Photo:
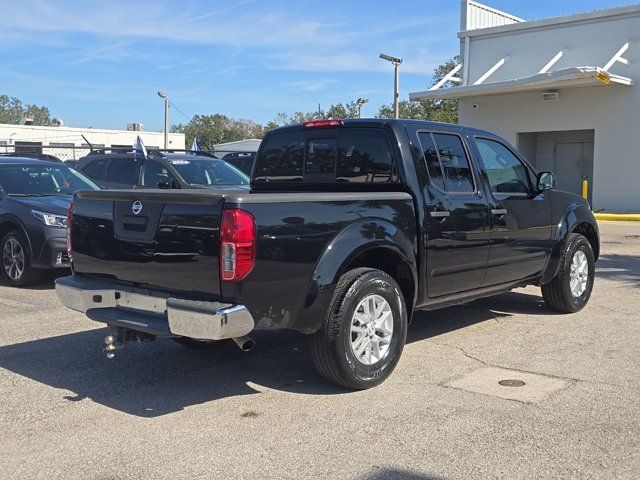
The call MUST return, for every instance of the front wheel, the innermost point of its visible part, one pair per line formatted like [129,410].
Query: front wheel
[570,289]
[16,261]
[364,331]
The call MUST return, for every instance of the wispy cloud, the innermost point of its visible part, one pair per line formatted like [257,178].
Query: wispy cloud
[251,58]
[311,85]
[124,19]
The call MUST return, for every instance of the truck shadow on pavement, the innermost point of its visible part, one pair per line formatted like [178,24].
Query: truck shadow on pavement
[47,282]
[161,377]
[623,268]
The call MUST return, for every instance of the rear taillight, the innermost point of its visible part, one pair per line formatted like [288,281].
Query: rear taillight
[237,244]
[323,123]
[69,225]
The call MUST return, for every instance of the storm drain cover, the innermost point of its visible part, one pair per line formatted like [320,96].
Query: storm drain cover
[511,383]
[499,382]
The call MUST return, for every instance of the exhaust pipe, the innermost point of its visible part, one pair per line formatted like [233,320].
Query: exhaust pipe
[245,343]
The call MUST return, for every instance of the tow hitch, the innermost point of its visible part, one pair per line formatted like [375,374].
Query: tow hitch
[120,337]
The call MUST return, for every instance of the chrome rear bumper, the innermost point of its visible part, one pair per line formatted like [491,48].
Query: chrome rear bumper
[151,312]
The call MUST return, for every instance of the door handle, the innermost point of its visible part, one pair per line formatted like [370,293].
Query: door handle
[498,211]
[440,214]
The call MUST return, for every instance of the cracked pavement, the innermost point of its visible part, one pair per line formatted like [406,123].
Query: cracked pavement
[159,410]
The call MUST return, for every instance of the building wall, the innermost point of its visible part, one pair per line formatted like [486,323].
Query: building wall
[476,15]
[591,40]
[611,111]
[248,145]
[9,134]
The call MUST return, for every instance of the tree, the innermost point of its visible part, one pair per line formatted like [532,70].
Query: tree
[12,110]
[218,128]
[348,110]
[434,110]
[339,110]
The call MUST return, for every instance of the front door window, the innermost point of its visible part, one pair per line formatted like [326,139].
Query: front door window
[504,171]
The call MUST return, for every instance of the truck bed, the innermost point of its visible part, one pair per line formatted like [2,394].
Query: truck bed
[173,243]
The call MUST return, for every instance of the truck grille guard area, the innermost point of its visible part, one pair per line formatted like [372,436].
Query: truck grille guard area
[144,314]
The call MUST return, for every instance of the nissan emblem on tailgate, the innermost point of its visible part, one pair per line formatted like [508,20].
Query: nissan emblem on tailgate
[136,208]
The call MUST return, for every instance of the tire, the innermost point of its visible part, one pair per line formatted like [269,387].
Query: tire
[16,261]
[558,293]
[335,347]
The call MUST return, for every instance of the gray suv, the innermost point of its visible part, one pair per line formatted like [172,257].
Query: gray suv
[34,199]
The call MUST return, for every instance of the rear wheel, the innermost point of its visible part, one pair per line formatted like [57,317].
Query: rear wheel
[364,331]
[16,261]
[570,289]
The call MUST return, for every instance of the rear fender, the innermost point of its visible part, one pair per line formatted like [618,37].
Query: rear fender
[350,243]
[574,215]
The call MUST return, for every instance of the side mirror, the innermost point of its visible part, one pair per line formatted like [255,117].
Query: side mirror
[164,185]
[546,181]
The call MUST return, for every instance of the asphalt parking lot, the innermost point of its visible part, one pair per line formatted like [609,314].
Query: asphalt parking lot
[160,410]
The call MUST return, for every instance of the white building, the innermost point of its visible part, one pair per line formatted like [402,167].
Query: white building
[248,145]
[68,143]
[563,90]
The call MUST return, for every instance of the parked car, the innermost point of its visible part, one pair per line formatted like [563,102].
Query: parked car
[34,198]
[349,228]
[161,170]
[243,161]
[34,155]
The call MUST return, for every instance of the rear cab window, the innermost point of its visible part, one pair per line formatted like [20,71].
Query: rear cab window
[345,156]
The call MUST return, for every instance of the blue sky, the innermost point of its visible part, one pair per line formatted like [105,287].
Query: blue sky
[99,63]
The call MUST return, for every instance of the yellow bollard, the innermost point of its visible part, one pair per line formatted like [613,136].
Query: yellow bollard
[585,188]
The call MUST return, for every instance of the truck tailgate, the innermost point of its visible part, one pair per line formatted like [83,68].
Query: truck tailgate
[150,237]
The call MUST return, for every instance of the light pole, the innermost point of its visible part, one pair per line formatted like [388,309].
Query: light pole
[161,94]
[361,101]
[396,62]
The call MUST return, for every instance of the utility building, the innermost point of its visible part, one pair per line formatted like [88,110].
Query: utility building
[561,89]
[69,143]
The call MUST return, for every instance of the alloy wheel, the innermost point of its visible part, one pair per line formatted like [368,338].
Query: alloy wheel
[579,274]
[371,330]
[13,259]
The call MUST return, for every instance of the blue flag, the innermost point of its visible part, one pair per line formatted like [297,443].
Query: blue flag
[195,148]
[140,151]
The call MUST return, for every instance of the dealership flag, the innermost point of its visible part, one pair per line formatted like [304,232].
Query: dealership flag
[196,146]
[141,152]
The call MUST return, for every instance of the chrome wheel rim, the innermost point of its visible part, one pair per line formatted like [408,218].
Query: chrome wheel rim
[13,259]
[579,276]
[371,330]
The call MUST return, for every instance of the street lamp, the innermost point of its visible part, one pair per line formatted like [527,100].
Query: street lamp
[161,94]
[396,62]
[361,101]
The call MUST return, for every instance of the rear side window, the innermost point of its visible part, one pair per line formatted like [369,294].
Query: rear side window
[454,174]
[123,171]
[95,169]
[351,156]
[365,157]
[281,159]
[431,158]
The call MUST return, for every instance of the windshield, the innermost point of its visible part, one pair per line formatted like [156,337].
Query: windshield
[41,180]
[208,172]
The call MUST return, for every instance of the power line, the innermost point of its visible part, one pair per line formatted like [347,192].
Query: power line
[176,107]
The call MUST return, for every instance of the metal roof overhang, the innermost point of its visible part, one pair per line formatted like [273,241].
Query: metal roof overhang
[566,78]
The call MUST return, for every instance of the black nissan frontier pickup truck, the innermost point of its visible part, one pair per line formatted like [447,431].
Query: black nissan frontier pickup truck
[348,228]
